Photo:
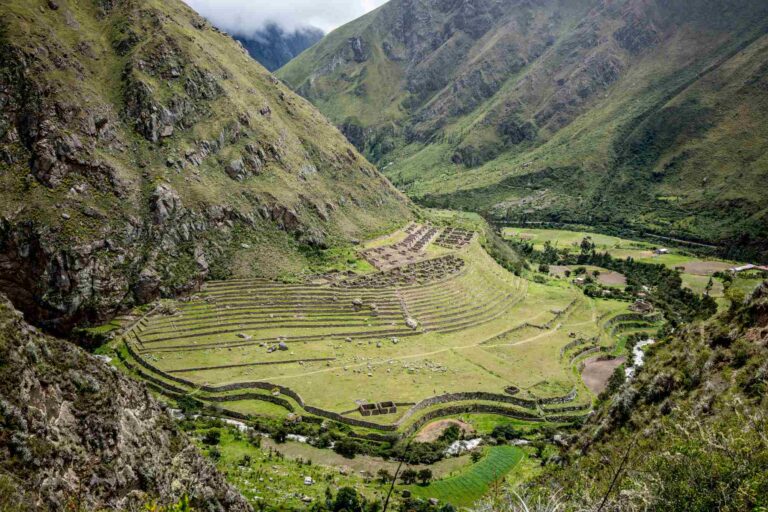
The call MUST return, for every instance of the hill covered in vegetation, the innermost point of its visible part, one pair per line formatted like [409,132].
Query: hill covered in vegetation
[645,116]
[142,151]
[686,433]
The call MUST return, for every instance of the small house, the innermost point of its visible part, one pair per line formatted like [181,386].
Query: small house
[661,250]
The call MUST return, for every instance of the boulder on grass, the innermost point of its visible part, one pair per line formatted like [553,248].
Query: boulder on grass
[411,323]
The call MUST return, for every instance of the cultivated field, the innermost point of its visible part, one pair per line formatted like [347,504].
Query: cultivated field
[695,271]
[439,329]
[464,489]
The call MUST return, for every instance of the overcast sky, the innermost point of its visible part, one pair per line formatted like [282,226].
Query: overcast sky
[246,16]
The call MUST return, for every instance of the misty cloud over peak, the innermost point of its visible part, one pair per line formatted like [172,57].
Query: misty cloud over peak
[247,17]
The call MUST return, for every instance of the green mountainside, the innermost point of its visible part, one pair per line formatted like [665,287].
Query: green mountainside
[141,151]
[647,116]
[688,433]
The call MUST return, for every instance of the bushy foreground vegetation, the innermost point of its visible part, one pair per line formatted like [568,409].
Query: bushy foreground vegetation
[687,434]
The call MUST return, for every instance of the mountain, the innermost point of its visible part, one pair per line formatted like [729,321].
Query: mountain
[688,432]
[143,151]
[75,434]
[637,115]
[273,47]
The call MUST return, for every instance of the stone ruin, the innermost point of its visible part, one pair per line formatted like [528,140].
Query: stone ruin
[454,238]
[377,409]
[413,274]
[406,251]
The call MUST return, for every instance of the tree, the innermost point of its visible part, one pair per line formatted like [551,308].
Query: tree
[425,475]
[212,437]
[450,434]
[409,476]
[384,475]
[347,500]
[280,435]
[346,447]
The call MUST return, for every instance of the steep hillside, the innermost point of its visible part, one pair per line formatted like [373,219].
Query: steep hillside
[273,47]
[688,433]
[639,114]
[77,435]
[142,151]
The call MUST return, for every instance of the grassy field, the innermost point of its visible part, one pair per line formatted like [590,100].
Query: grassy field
[222,337]
[695,271]
[470,484]
[479,328]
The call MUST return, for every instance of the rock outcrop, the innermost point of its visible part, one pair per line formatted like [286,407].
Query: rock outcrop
[75,434]
[138,158]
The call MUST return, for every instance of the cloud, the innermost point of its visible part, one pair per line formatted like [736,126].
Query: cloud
[244,17]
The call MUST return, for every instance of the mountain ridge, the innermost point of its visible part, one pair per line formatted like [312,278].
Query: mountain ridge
[570,101]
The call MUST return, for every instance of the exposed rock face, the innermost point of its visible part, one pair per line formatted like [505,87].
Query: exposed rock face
[74,432]
[130,159]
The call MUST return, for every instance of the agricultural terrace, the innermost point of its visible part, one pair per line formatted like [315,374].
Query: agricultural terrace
[440,329]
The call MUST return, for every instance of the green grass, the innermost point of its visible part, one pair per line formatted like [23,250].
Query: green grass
[570,239]
[470,485]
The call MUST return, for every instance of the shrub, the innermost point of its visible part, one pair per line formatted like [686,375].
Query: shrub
[384,476]
[212,437]
[505,432]
[347,499]
[409,476]
[346,447]
[451,434]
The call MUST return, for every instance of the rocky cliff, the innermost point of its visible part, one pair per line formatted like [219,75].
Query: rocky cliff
[636,114]
[141,151]
[274,47]
[75,434]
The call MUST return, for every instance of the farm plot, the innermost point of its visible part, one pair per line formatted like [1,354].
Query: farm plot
[466,488]
[431,337]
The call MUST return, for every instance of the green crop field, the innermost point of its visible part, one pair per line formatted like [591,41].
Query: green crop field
[471,484]
[444,320]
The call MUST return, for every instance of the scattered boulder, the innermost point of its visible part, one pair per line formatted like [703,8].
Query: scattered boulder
[411,323]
